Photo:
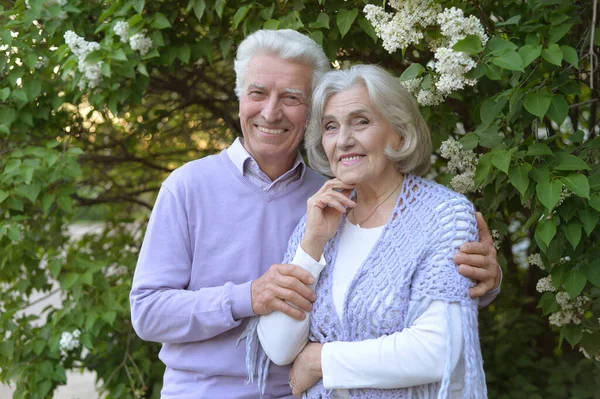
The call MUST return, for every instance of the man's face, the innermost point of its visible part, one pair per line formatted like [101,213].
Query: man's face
[273,109]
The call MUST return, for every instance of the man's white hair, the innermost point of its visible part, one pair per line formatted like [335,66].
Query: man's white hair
[286,44]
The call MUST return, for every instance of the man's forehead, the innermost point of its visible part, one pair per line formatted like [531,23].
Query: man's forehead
[266,70]
[291,90]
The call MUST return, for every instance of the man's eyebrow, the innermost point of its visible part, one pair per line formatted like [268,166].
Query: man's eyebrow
[256,86]
[294,91]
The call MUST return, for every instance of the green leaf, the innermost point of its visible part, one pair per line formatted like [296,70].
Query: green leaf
[7,116]
[317,36]
[573,333]
[219,7]
[95,56]
[267,12]
[3,196]
[33,89]
[69,280]
[559,109]
[321,22]
[160,21]
[537,103]
[344,20]
[38,346]
[529,53]
[272,24]
[4,93]
[559,274]
[566,161]
[591,342]
[519,177]
[470,45]
[29,191]
[65,203]
[491,108]
[136,19]
[577,183]
[547,303]
[54,266]
[514,20]
[497,44]
[572,231]
[413,71]
[240,15]
[556,33]
[199,7]
[142,69]
[366,26]
[225,46]
[184,53]
[574,283]
[501,160]
[138,5]
[510,60]
[7,349]
[109,316]
[539,149]
[594,201]
[589,218]
[553,54]
[549,193]
[119,55]
[484,167]
[570,55]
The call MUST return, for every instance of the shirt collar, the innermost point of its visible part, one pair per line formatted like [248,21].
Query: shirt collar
[241,158]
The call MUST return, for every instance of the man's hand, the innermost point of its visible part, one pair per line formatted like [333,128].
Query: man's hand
[306,370]
[477,260]
[282,284]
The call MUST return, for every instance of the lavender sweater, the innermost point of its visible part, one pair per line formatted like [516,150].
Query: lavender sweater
[210,234]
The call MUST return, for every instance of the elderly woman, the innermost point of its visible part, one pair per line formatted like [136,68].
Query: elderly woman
[393,318]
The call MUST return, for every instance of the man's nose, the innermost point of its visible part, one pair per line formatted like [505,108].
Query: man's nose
[272,110]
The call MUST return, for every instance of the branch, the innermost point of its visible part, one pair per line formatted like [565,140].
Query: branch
[593,58]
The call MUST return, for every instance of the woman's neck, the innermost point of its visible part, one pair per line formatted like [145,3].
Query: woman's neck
[375,202]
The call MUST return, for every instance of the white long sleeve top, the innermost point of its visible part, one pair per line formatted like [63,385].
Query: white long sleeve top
[413,356]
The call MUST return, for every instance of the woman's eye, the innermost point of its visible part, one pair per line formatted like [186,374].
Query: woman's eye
[329,127]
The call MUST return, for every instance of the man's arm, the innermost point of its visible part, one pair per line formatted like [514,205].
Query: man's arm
[477,260]
[164,310]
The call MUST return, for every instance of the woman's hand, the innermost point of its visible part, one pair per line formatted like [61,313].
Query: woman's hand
[324,211]
[306,370]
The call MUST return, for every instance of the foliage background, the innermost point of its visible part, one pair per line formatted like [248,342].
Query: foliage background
[69,155]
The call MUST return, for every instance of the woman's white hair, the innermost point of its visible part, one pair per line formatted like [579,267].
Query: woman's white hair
[286,44]
[388,97]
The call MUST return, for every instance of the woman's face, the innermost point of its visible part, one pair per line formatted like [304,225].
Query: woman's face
[355,136]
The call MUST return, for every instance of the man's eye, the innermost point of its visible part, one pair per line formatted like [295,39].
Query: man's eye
[292,101]
[255,94]
[362,121]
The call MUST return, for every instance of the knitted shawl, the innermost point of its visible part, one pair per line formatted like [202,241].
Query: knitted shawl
[409,266]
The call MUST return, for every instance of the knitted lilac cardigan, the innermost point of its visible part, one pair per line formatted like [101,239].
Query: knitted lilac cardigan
[411,263]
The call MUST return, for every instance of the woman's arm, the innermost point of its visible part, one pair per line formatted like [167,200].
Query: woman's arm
[281,336]
[414,356]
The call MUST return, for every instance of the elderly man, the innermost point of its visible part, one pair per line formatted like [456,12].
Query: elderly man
[220,225]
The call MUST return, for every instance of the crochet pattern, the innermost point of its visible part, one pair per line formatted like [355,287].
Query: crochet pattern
[410,265]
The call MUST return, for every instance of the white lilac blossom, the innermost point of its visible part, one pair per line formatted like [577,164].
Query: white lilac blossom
[535,260]
[121,28]
[545,285]
[81,48]
[140,42]
[461,162]
[464,182]
[69,341]
[571,310]
[564,194]
[407,26]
